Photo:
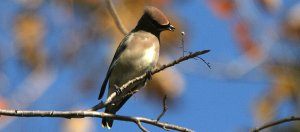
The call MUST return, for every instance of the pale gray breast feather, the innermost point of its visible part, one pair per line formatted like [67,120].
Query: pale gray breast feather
[150,54]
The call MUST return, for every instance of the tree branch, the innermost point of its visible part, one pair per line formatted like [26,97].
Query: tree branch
[116,17]
[141,126]
[112,99]
[83,114]
[274,123]
[165,108]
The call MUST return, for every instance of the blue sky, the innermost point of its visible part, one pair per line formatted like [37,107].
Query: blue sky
[210,102]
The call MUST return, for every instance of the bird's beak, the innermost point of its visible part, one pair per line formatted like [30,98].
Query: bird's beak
[171,28]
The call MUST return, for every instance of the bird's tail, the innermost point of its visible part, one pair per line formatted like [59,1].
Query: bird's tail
[107,122]
[112,109]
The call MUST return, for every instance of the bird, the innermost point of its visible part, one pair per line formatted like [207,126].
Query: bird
[136,55]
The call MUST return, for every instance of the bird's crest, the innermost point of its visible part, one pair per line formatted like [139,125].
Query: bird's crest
[156,15]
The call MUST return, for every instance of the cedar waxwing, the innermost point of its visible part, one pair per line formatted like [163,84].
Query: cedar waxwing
[137,54]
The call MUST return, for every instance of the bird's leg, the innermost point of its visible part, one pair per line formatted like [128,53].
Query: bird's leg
[149,75]
[118,90]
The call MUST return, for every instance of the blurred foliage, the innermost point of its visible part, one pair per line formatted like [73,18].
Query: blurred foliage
[78,125]
[273,44]
[29,33]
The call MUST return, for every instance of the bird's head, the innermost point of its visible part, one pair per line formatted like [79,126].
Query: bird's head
[153,20]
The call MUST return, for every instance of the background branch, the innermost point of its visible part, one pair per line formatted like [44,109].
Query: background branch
[271,124]
[116,18]
[83,114]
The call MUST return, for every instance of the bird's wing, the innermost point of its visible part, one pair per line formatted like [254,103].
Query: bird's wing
[119,51]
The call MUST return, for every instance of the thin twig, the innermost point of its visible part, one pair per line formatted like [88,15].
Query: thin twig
[141,126]
[117,20]
[112,99]
[83,114]
[185,51]
[165,108]
[274,123]
[207,63]
[182,43]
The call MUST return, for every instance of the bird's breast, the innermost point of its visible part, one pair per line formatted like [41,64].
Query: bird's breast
[140,59]
[140,56]
[149,55]
[143,59]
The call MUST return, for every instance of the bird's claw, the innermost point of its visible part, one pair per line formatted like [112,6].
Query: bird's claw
[149,75]
[118,90]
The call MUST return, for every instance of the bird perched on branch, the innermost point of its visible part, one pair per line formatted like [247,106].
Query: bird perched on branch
[136,55]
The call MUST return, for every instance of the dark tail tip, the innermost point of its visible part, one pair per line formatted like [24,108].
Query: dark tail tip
[107,123]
